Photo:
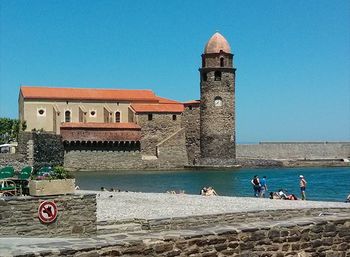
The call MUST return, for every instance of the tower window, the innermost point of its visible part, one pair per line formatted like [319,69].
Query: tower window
[222,62]
[67,116]
[204,76]
[117,117]
[218,101]
[217,75]
[203,62]
[174,117]
[150,116]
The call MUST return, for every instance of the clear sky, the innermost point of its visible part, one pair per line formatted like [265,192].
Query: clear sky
[292,57]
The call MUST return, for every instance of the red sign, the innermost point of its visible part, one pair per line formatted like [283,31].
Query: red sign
[47,212]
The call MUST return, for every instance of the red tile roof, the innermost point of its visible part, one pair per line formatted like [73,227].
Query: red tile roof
[94,125]
[158,108]
[166,101]
[31,92]
[195,103]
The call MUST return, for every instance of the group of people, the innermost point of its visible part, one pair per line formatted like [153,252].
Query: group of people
[259,186]
[260,189]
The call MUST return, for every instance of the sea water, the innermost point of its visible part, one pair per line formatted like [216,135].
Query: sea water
[325,184]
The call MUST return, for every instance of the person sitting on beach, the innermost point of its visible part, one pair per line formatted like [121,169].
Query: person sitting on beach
[211,192]
[348,199]
[203,191]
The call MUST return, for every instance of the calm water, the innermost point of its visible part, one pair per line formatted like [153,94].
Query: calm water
[331,184]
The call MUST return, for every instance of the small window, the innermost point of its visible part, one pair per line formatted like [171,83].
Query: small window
[190,107]
[203,62]
[218,101]
[174,117]
[92,113]
[217,75]
[222,62]
[150,116]
[41,112]
[67,116]
[204,76]
[117,117]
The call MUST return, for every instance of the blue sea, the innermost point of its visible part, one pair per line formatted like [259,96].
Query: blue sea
[324,184]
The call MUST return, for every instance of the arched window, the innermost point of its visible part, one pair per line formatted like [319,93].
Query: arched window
[217,75]
[218,101]
[117,117]
[67,116]
[222,62]
[204,76]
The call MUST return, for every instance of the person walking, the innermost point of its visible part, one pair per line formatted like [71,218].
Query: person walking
[256,185]
[302,184]
[263,187]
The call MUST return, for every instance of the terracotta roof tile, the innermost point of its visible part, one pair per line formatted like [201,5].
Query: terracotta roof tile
[163,100]
[158,108]
[100,125]
[31,92]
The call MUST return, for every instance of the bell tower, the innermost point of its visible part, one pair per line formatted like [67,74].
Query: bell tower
[217,103]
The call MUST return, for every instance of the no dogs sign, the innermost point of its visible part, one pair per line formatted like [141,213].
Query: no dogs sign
[47,212]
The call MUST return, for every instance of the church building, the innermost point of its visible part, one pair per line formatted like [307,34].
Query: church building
[138,128]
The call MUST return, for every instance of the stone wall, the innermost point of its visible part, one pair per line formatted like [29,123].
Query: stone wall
[102,159]
[48,150]
[76,216]
[17,161]
[307,150]
[323,236]
[156,130]
[171,152]
[190,121]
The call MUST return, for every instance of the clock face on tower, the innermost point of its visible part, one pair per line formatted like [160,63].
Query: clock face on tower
[218,101]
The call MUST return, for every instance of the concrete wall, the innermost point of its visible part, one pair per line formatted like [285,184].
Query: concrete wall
[76,217]
[311,150]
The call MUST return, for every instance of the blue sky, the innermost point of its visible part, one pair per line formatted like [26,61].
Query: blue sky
[292,57]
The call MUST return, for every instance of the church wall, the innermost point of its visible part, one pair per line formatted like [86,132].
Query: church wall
[80,111]
[154,131]
[190,121]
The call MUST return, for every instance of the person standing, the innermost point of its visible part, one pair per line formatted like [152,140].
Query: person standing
[302,184]
[256,185]
[263,187]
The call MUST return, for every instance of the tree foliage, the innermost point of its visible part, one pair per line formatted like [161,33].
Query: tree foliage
[9,129]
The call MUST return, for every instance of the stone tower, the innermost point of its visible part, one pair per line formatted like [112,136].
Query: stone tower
[217,104]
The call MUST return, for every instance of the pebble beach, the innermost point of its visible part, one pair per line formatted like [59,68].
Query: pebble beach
[132,205]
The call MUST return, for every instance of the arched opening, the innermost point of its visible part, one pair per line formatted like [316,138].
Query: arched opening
[67,116]
[117,117]
[222,62]
[218,101]
[217,75]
